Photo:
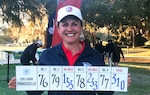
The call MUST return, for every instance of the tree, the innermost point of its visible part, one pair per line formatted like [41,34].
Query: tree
[114,14]
[18,12]
[118,13]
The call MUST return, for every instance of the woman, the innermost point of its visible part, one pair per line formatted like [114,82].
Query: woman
[71,51]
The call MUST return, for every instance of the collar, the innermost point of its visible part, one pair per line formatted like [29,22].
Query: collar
[67,50]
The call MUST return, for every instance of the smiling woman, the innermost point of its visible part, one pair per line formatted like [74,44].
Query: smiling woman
[69,24]
[71,51]
[70,29]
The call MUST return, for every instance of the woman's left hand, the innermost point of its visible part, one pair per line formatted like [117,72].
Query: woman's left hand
[129,79]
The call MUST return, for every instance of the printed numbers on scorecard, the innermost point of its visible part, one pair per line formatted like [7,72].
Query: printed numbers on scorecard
[71,78]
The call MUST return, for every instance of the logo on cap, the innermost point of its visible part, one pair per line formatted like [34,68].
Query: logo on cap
[69,9]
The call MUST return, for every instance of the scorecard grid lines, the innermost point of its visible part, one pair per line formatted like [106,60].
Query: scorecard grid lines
[71,78]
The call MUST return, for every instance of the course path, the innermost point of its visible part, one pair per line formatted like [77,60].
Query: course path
[137,59]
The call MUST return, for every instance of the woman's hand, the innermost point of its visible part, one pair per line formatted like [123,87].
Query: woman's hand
[129,79]
[12,83]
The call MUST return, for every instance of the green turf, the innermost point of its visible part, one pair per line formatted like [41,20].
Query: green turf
[4,90]
[140,76]
[140,84]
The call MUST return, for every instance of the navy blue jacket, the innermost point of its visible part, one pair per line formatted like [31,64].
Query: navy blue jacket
[29,54]
[56,56]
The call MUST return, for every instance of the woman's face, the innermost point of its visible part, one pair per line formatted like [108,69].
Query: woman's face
[70,30]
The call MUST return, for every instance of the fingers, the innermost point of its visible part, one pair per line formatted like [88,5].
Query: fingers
[129,79]
[12,83]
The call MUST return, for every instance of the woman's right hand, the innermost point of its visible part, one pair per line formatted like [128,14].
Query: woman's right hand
[12,83]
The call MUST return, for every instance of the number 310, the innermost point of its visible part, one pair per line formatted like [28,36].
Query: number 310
[120,83]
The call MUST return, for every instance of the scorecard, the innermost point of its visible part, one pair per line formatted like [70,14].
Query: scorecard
[71,78]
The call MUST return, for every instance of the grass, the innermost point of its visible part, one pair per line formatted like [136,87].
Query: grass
[138,51]
[4,90]
[140,74]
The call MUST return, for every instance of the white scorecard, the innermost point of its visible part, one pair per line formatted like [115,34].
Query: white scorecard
[71,78]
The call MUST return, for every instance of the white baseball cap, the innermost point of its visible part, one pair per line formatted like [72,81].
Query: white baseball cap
[39,42]
[68,10]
